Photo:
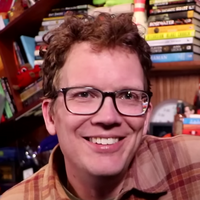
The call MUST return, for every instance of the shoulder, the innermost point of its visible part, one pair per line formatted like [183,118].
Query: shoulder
[24,189]
[183,148]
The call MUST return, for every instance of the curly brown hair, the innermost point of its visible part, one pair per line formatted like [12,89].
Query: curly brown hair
[103,32]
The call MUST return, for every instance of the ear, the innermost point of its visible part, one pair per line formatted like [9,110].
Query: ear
[147,118]
[48,116]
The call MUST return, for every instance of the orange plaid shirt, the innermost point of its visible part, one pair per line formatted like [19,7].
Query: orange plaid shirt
[163,168]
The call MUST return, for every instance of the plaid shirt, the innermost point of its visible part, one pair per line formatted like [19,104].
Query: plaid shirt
[163,169]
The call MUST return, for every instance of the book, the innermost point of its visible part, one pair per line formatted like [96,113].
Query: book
[191,121]
[174,57]
[7,109]
[8,94]
[175,8]
[78,7]
[175,48]
[29,48]
[35,97]
[174,41]
[38,62]
[169,35]
[173,28]
[63,13]
[31,90]
[38,38]
[176,15]
[53,18]
[191,131]
[191,126]
[175,22]
[21,59]
[168,2]
[52,22]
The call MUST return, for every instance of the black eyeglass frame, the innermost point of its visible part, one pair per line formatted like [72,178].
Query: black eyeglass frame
[104,95]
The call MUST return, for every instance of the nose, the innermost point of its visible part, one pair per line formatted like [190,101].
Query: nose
[107,116]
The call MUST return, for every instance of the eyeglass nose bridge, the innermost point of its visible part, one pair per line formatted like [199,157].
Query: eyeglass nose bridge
[109,94]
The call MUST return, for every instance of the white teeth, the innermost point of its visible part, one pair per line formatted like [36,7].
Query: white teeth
[104,141]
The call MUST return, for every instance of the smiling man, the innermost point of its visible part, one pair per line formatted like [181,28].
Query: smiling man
[97,100]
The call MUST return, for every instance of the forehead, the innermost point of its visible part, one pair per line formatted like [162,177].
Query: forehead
[106,69]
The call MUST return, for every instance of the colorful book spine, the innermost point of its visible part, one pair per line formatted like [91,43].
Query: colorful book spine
[53,18]
[174,22]
[191,126]
[174,28]
[78,7]
[31,90]
[175,8]
[8,93]
[171,16]
[62,13]
[178,34]
[191,121]
[168,2]
[7,109]
[172,57]
[52,22]
[174,41]
[173,48]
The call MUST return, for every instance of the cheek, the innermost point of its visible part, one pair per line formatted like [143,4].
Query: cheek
[136,123]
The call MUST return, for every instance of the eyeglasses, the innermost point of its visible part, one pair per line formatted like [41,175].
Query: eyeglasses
[89,100]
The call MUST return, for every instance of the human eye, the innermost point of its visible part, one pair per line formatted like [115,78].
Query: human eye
[81,94]
[129,95]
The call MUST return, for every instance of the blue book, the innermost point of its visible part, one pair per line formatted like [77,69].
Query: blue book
[191,121]
[29,48]
[174,57]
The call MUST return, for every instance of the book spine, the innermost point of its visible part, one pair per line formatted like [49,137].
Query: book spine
[191,131]
[8,111]
[78,7]
[52,22]
[174,41]
[160,10]
[34,88]
[38,62]
[172,57]
[172,48]
[35,97]
[52,18]
[174,28]
[63,13]
[168,2]
[191,126]
[18,54]
[8,89]
[171,16]
[191,121]
[178,34]
[172,22]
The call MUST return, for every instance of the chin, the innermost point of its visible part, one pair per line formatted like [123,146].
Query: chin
[113,169]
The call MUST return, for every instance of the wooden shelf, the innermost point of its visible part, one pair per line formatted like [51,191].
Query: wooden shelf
[176,68]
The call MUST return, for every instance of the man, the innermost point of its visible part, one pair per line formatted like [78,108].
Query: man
[97,101]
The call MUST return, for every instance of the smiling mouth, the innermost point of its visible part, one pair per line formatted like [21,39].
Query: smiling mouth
[103,141]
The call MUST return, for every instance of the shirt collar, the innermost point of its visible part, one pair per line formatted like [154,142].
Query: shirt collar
[146,174]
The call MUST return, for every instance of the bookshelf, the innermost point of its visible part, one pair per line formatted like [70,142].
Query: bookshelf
[26,24]
[163,76]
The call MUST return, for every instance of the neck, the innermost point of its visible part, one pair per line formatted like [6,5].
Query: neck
[85,186]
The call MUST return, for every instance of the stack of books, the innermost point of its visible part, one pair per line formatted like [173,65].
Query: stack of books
[191,126]
[56,16]
[174,30]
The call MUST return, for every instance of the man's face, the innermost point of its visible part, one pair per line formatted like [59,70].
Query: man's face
[107,71]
